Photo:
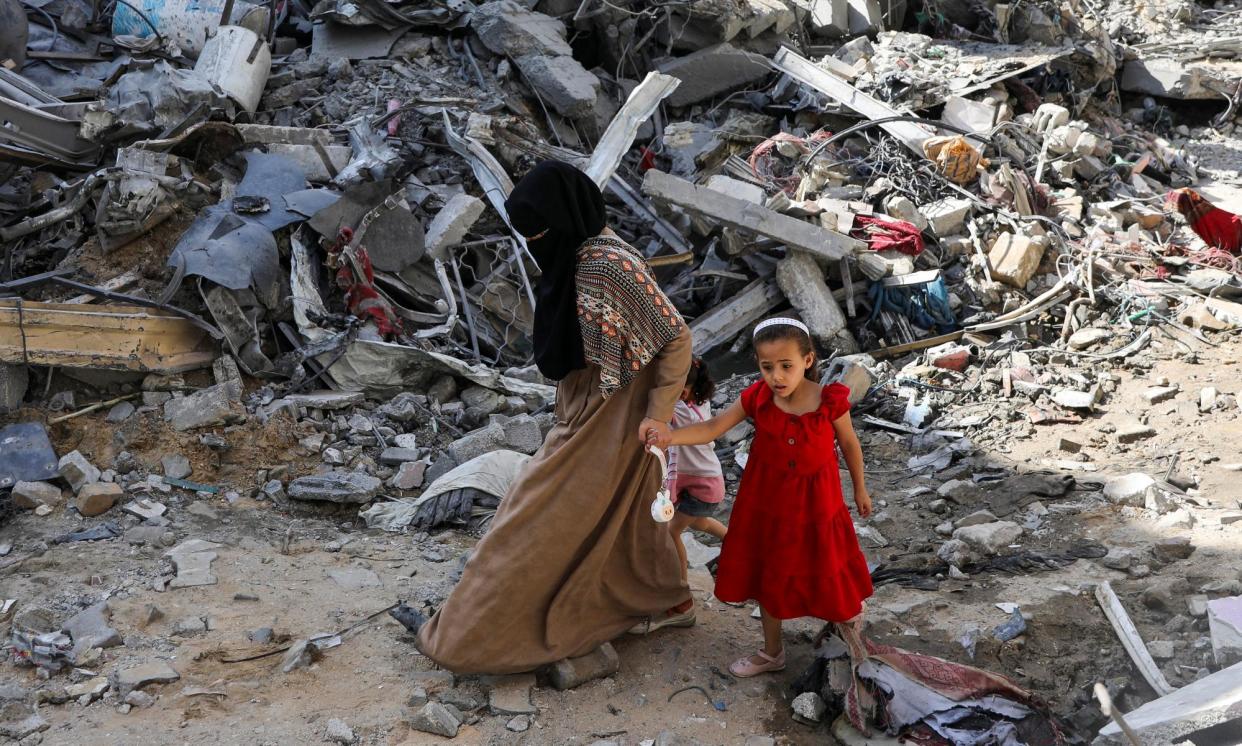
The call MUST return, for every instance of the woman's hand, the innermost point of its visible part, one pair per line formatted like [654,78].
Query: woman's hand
[863,501]
[654,433]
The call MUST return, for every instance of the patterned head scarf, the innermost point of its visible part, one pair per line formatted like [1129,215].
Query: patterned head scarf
[556,208]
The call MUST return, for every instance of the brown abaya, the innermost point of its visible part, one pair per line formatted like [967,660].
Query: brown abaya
[573,558]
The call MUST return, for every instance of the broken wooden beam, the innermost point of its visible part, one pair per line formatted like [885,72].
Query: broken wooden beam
[101,337]
[740,214]
[724,322]
[809,74]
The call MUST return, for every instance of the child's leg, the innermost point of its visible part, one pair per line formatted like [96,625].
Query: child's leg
[709,525]
[676,526]
[773,644]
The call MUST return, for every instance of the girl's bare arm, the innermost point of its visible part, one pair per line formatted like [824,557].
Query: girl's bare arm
[705,432]
[852,450]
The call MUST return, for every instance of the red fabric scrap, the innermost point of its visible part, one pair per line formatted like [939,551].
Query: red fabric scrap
[883,234]
[361,297]
[1218,228]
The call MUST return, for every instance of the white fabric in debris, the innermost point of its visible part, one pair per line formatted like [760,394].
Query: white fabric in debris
[491,473]
[912,702]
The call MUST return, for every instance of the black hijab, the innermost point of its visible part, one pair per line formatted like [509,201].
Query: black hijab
[557,198]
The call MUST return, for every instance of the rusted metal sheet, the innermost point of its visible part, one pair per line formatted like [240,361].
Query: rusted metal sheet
[104,337]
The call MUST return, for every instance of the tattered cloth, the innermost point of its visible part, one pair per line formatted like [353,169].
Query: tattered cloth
[624,315]
[933,702]
[1218,228]
[884,234]
[361,297]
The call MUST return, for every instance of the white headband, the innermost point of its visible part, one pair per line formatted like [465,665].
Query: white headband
[781,321]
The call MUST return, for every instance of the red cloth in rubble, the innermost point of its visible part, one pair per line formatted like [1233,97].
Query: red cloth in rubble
[361,297]
[882,234]
[791,544]
[1218,228]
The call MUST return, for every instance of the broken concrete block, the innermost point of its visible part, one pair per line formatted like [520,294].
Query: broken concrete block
[736,188]
[802,281]
[211,407]
[1157,394]
[902,208]
[809,708]
[97,499]
[562,82]
[1173,548]
[1198,705]
[14,379]
[946,217]
[574,672]
[176,466]
[1014,258]
[30,495]
[90,628]
[507,28]
[1086,338]
[510,695]
[1207,398]
[522,434]
[451,224]
[410,475]
[1225,626]
[712,71]
[393,456]
[338,487]
[851,371]
[989,538]
[1167,78]
[1134,433]
[972,116]
[478,443]
[436,719]
[976,519]
[129,679]
[77,471]
[828,18]
[769,15]
[1074,399]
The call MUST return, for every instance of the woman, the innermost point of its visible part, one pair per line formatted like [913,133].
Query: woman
[573,558]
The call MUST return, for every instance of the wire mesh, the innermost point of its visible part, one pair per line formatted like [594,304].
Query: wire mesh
[494,289]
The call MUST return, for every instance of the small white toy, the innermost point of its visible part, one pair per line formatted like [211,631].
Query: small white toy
[662,508]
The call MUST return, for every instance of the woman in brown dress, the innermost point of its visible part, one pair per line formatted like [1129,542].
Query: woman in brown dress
[573,558]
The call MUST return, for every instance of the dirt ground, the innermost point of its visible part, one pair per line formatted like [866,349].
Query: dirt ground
[287,559]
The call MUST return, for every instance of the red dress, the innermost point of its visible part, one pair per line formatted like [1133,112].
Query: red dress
[791,544]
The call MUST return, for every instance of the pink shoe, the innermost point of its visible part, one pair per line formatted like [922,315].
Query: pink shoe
[744,668]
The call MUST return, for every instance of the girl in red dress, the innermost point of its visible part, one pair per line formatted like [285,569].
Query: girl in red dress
[791,544]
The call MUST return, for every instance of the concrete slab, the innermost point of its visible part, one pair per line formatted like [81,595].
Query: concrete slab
[1200,704]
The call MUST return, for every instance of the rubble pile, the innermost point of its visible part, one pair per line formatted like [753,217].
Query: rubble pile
[227,226]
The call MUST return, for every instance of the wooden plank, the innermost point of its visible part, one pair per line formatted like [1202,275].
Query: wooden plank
[915,346]
[740,214]
[102,337]
[808,73]
[723,323]
[1131,640]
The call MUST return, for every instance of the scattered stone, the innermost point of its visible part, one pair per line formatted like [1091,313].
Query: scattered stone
[338,487]
[299,655]
[30,495]
[340,732]
[574,672]
[976,519]
[1069,446]
[92,689]
[1231,517]
[522,434]
[1198,606]
[1157,394]
[1118,559]
[1173,548]
[947,216]
[1074,399]
[176,466]
[210,407]
[1087,338]
[77,471]
[98,498]
[1162,650]
[119,413]
[410,475]
[480,442]
[436,719]
[1133,433]
[136,677]
[1207,398]
[519,724]
[1178,519]
[139,699]
[333,457]
[989,538]
[1132,489]
[809,708]
[192,560]
[510,695]
[435,681]
[189,627]
[1014,258]
[956,552]
[713,70]
[145,509]
[90,628]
